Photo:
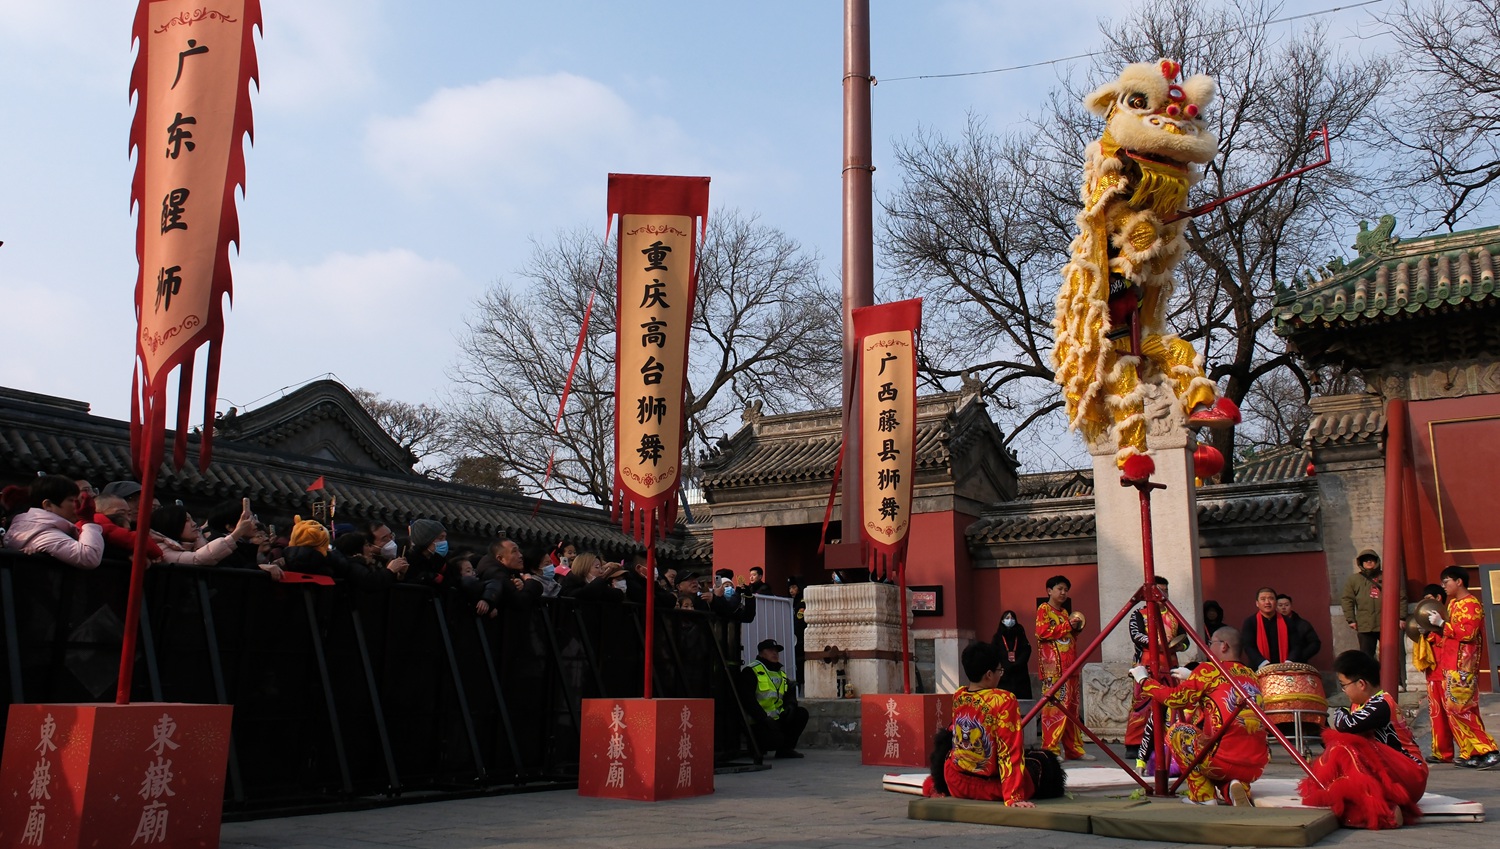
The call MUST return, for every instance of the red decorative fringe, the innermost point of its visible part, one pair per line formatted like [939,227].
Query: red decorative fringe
[1366,780]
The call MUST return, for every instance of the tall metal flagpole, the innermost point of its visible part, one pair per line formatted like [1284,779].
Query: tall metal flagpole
[859,236]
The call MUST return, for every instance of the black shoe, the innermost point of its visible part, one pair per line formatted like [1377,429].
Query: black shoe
[790,753]
[1470,763]
[1436,760]
[1486,761]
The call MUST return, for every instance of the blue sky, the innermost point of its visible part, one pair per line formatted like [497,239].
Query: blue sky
[406,155]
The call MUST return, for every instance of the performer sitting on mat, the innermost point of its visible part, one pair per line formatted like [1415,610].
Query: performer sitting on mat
[980,756]
[1371,766]
[1224,775]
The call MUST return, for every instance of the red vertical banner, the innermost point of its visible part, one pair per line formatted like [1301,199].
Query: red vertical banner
[191,82]
[661,220]
[886,356]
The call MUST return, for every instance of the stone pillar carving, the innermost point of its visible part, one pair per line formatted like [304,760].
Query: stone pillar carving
[856,629]
[1107,693]
[1174,527]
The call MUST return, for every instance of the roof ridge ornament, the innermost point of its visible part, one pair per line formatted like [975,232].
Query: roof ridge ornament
[1379,242]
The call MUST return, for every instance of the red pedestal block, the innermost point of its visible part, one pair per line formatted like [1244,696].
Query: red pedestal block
[646,749]
[896,729]
[86,775]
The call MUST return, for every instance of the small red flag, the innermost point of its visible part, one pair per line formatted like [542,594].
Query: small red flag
[317,484]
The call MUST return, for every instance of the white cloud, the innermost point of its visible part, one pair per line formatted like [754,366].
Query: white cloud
[520,134]
[315,51]
[383,320]
[63,341]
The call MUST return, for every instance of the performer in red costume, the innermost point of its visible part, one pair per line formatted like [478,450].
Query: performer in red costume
[1457,650]
[1056,649]
[1224,776]
[1371,768]
[981,756]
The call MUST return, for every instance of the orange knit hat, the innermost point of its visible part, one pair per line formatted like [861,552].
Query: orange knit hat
[308,532]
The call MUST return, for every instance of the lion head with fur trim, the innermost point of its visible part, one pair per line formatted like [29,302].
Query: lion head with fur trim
[1152,116]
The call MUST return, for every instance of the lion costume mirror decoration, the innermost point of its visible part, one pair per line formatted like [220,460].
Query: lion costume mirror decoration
[1110,324]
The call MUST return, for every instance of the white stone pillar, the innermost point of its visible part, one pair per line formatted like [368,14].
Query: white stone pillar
[1174,529]
[862,624]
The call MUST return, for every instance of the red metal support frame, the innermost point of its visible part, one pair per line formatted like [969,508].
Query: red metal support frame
[1245,697]
[1156,635]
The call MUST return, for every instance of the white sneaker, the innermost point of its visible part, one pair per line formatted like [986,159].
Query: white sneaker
[1210,802]
[1239,795]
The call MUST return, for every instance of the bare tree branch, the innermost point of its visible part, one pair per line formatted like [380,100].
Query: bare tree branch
[765,327]
[980,225]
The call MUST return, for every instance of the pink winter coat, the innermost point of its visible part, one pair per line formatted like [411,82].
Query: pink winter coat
[39,531]
[207,554]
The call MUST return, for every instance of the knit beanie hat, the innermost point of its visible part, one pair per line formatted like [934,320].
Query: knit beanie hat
[309,533]
[423,532]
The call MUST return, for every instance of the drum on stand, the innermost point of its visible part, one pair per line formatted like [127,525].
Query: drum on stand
[1293,697]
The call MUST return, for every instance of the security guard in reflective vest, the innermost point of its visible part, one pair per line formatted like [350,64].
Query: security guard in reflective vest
[775,716]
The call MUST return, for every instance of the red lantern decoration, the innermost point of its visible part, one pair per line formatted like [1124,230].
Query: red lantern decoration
[1207,461]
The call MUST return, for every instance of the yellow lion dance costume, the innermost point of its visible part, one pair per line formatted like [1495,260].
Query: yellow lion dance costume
[1111,310]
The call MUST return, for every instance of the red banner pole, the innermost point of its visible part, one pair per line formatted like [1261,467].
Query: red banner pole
[152,449]
[567,387]
[1395,572]
[650,596]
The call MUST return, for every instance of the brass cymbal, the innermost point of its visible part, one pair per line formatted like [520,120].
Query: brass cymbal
[1419,616]
[1414,628]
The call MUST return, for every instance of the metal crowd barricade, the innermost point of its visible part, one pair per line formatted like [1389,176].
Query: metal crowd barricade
[342,694]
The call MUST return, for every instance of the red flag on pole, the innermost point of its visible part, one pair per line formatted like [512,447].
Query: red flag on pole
[317,484]
[657,272]
[191,83]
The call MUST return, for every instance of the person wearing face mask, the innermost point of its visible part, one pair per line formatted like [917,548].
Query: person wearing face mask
[427,554]
[608,585]
[1015,655]
[383,539]
[1361,600]
[545,571]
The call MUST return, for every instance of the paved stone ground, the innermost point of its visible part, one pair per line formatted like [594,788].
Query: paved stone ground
[827,800]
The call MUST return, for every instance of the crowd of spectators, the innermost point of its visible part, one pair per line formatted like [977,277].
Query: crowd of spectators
[67,520]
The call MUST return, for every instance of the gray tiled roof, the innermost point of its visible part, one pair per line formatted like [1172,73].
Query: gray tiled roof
[1427,275]
[803,447]
[38,433]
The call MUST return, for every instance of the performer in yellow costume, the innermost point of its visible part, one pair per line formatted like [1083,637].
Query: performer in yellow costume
[1110,323]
